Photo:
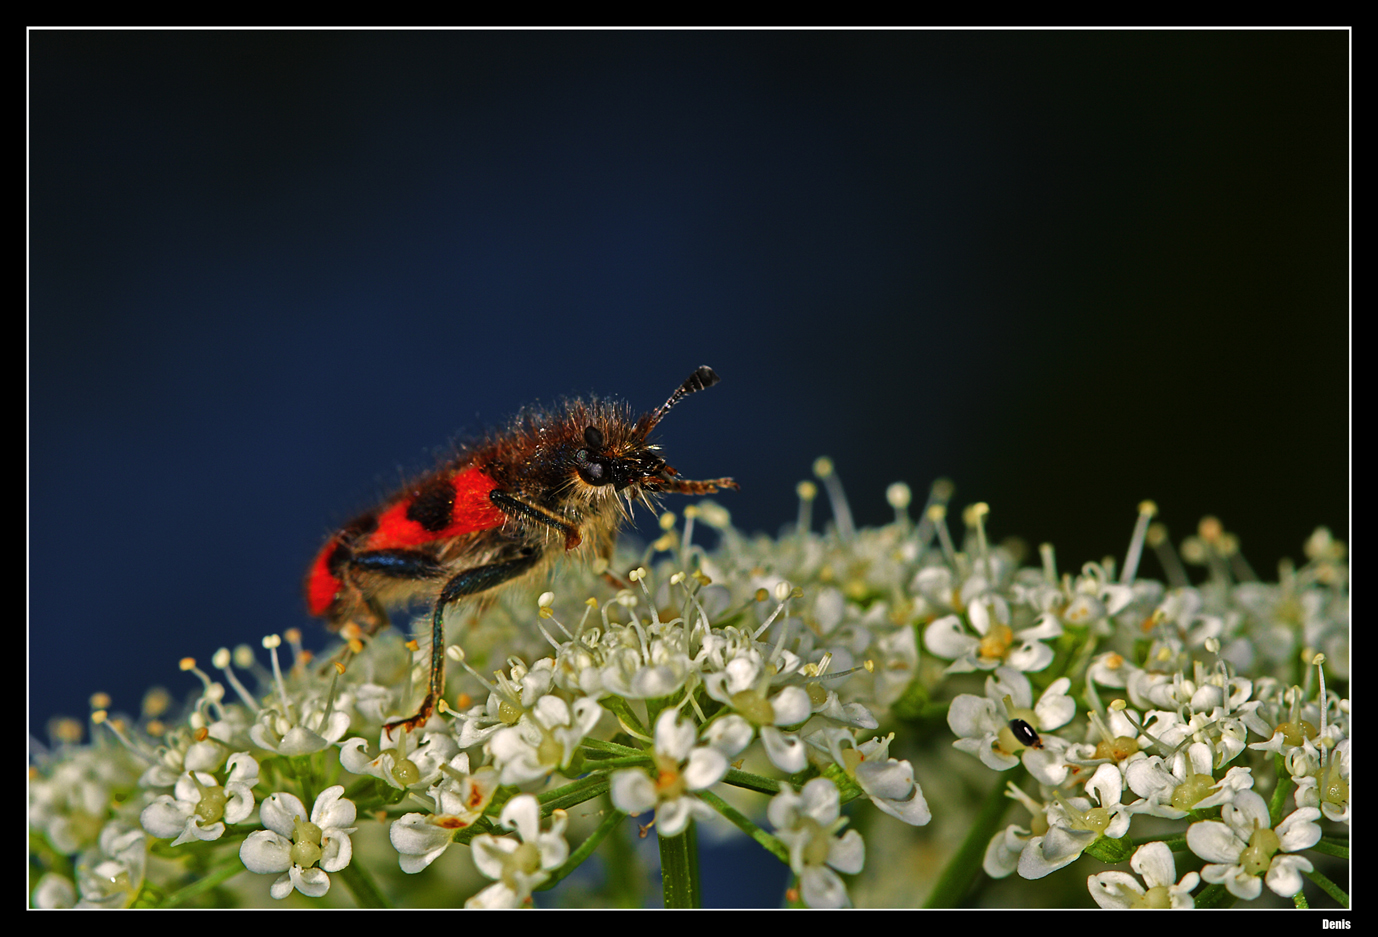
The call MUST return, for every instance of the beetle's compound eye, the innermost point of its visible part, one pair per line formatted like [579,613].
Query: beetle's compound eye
[595,473]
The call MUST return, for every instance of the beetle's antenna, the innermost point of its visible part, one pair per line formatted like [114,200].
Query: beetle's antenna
[700,379]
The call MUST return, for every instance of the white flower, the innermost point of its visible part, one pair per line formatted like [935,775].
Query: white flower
[396,765]
[545,739]
[187,753]
[681,768]
[1326,782]
[460,799]
[1154,862]
[808,823]
[1074,824]
[1187,784]
[1245,846]
[111,874]
[995,644]
[287,736]
[198,805]
[519,865]
[888,782]
[1004,849]
[54,891]
[302,850]
[981,724]
[744,683]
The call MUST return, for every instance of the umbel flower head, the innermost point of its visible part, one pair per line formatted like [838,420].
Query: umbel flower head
[824,694]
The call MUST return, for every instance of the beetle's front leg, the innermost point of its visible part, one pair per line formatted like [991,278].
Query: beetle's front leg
[467,583]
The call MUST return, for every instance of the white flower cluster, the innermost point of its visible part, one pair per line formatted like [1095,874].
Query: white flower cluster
[1120,698]
[1169,743]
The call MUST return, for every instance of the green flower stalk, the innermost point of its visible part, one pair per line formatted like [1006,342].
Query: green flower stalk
[849,701]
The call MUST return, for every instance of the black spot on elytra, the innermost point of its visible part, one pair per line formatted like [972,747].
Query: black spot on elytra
[360,527]
[338,556]
[433,505]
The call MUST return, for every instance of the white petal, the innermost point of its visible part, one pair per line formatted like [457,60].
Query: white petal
[195,831]
[1214,842]
[336,849]
[786,751]
[1284,875]
[1002,852]
[848,854]
[1297,832]
[300,740]
[632,791]
[729,735]
[706,766]
[279,812]
[165,817]
[946,638]
[821,800]
[333,810]
[892,788]
[1054,707]
[264,851]
[522,814]
[418,841]
[282,887]
[1032,656]
[354,757]
[551,711]
[1115,897]
[333,731]
[495,896]
[490,853]
[792,706]
[587,712]
[673,737]
[1248,812]
[1154,862]
[313,883]
[673,816]
[970,716]
[821,887]
[240,805]
[784,808]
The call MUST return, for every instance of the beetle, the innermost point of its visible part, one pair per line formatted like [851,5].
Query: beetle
[502,510]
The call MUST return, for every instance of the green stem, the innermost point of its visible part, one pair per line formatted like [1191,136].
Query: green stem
[739,820]
[573,794]
[362,886]
[1340,850]
[679,869]
[964,867]
[598,745]
[586,848]
[227,869]
[752,782]
[1329,887]
[619,708]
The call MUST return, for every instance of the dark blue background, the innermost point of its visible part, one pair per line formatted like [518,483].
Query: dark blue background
[272,272]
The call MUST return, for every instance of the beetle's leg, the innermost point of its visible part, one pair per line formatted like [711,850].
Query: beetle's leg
[358,604]
[519,507]
[355,605]
[467,583]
